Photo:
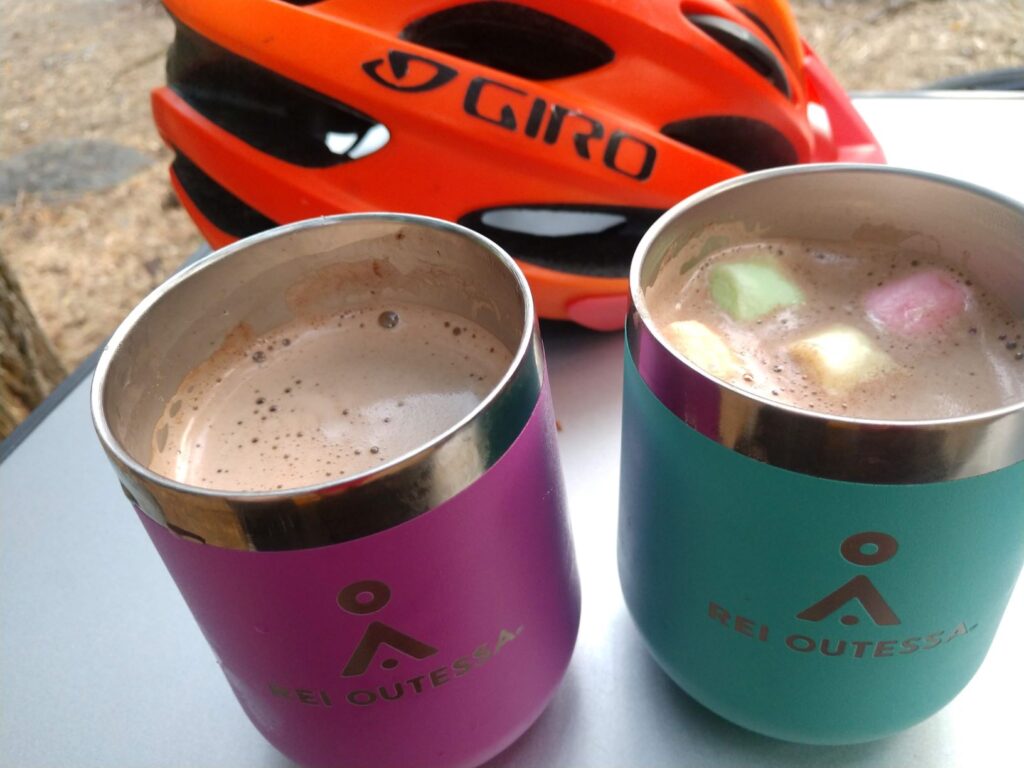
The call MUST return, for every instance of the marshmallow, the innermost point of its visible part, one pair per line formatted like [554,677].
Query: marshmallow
[916,304]
[752,289]
[841,358]
[703,347]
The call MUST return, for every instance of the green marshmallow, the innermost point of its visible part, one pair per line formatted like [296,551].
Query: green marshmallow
[751,289]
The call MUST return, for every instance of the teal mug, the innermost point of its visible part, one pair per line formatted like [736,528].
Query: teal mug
[812,577]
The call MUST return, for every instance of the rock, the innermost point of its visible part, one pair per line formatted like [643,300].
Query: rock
[29,369]
[66,168]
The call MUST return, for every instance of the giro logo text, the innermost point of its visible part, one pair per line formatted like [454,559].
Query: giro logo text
[859,597]
[507,107]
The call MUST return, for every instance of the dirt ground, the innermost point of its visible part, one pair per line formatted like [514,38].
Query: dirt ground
[82,69]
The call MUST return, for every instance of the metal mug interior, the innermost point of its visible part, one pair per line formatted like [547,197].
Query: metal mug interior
[965,226]
[319,266]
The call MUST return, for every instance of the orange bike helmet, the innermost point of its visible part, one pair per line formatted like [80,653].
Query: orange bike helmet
[560,130]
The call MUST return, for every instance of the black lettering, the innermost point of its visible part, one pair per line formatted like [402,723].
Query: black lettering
[471,103]
[326,699]
[611,154]
[503,638]
[581,139]
[415,683]
[715,611]
[277,690]
[910,645]
[439,676]
[884,648]
[533,122]
[306,696]
[744,626]
[801,643]
[859,647]
[961,629]
[361,698]
[392,695]
[839,650]
[558,113]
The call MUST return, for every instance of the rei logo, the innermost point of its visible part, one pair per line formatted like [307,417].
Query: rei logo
[864,549]
[366,597]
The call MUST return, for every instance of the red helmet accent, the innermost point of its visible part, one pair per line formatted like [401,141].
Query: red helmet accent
[561,130]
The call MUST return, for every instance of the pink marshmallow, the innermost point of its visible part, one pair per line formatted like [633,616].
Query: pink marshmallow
[917,304]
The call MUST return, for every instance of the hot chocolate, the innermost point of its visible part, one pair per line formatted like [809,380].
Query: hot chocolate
[324,398]
[855,330]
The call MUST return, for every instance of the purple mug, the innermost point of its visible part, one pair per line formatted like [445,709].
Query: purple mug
[418,614]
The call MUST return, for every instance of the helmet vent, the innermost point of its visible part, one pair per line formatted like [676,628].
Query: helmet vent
[744,44]
[760,25]
[221,208]
[512,38]
[270,113]
[749,144]
[595,240]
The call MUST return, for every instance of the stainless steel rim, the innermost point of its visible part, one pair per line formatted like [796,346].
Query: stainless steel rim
[336,510]
[870,450]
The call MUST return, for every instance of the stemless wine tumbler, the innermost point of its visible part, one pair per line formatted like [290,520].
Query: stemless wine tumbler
[417,614]
[809,576]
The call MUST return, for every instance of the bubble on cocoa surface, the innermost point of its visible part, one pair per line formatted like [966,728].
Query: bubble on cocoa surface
[388,319]
[274,457]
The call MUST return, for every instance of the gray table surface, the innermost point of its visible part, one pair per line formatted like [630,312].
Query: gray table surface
[102,665]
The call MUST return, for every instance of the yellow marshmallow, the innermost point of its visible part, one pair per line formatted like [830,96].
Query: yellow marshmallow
[703,347]
[841,358]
